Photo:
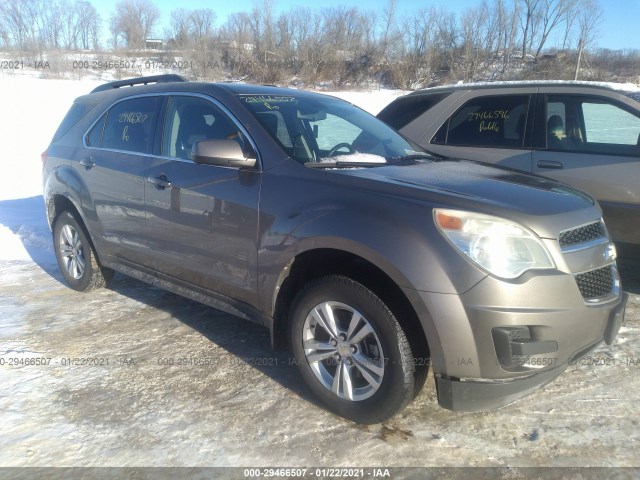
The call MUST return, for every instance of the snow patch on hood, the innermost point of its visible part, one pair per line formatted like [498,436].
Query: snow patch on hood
[355,158]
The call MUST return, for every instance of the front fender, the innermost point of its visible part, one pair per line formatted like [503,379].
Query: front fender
[395,234]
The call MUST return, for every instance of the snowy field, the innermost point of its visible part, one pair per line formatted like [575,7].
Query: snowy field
[251,409]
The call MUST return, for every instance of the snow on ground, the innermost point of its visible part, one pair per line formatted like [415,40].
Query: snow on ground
[32,109]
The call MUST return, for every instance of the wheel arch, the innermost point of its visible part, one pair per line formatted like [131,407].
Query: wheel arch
[59,203]
[321,262]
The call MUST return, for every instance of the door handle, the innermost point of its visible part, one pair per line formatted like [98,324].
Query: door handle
[88,163]
[160,182]
[549,164]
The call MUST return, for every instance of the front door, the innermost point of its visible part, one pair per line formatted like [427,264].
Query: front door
[592,144]
[202,220]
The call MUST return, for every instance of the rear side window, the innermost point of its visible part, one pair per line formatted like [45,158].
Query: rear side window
[405,110]
[94,139]
[73,116]
[487,122]
[130,125]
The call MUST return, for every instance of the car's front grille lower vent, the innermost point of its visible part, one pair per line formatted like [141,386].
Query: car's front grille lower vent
[596,283]
[584,234]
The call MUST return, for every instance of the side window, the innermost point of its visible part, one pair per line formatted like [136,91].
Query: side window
[487,121]
[560,133]
[591,125]
[130,123]
[94,139]
[191,119]
[609,124]
[405,110]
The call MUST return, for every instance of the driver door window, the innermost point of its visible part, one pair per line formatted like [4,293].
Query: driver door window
[191,119]
[591,125]
[610,126]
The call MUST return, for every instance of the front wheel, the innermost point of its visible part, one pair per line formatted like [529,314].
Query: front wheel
[75,255]
[351,350]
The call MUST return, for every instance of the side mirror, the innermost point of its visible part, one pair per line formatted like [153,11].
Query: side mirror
[221,153]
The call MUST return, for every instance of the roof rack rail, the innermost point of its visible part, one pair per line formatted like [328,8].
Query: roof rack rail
[140,81]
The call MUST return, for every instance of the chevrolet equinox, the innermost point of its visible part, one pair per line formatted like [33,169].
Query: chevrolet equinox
[371,259]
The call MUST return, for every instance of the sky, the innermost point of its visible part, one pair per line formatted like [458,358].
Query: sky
[620,17]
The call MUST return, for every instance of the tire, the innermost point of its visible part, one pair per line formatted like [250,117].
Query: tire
[362,366]
[76,257]
[419,378]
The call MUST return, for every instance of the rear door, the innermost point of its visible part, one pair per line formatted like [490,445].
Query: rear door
[487,127]
[118,145]
[594,147]
[202,219]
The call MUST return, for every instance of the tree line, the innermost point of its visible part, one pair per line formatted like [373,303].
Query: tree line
[492,40]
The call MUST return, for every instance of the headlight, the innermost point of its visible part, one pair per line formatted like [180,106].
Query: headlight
[502,247]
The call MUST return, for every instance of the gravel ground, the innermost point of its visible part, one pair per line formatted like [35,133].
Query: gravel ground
[109,395]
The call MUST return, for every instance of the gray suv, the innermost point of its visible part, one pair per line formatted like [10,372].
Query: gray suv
[585,134]
[371,259]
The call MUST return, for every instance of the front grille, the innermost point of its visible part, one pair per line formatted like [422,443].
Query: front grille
[596,283]
[582,234]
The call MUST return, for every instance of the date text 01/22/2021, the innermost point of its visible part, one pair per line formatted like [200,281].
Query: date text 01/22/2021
[343,472]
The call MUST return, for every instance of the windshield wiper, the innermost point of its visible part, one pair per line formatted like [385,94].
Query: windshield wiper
[426,155]
[344,164]
[408,159]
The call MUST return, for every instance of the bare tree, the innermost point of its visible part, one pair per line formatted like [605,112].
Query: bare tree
[529,13]
[88,25]
[478,41]
[179,24]
[312,52]
[133,22]
[420,55]
[588,19]
[507,28]
[388,20]
[21,23]
[551,14]
[202,25]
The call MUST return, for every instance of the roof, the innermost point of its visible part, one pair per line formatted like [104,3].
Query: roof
[177,83]
[160,81]
[624,87]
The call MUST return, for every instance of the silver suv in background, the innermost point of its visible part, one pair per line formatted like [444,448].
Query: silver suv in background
[371,259]
[584,134]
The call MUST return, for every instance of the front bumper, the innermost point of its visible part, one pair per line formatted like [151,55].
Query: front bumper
[500,341]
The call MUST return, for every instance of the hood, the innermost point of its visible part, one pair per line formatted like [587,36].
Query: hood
[544,205]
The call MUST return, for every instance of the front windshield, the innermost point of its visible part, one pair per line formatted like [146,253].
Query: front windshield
[324,129]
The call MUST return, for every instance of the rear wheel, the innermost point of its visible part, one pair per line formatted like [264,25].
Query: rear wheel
[351,350]
[76,258]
